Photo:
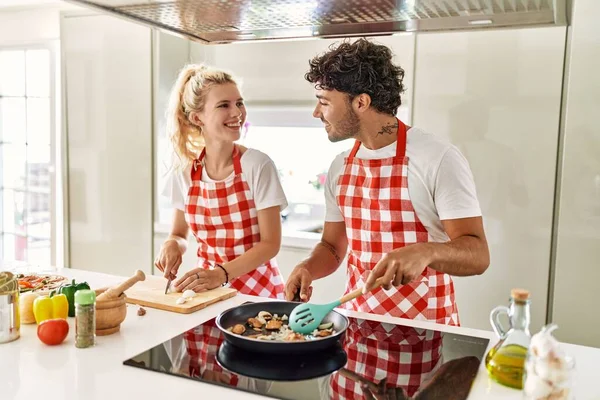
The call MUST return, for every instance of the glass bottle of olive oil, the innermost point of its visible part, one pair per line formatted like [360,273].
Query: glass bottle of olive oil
[505,362]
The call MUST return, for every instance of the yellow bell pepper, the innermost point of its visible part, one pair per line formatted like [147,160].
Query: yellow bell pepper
[50,307]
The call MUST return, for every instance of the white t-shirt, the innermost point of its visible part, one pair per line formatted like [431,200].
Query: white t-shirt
[440,182]
[257,169]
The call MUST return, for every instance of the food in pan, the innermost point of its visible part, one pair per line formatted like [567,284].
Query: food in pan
[267,326]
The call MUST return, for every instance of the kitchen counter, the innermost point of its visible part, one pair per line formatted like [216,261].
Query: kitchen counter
[30,369]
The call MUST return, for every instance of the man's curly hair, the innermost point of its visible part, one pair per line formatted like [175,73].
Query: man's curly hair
[360,67]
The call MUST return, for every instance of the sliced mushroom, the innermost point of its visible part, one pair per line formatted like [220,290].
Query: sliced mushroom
[324,333]
[326,325]
[257,329]
[265,315]
[294,337]
[238,329]
[255,323]
[273,325]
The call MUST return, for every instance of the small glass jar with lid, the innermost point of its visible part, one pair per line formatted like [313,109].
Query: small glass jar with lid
[85,318]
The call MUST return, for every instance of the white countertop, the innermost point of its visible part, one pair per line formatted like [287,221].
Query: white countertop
[29,369]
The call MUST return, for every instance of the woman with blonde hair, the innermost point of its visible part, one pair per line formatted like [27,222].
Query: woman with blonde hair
[228,195]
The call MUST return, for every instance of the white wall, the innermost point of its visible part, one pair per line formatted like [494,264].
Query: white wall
[30,21]
[24,26]
[576,300]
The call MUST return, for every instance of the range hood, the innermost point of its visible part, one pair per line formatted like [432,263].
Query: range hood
[224,21]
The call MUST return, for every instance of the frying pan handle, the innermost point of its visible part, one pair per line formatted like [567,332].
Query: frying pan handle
[297,296]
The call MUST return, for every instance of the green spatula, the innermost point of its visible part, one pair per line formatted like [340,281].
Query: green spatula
[307,317]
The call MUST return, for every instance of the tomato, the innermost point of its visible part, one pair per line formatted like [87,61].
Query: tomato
[25,284]
[53,331]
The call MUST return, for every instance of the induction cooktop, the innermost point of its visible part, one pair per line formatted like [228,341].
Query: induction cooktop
[378,358]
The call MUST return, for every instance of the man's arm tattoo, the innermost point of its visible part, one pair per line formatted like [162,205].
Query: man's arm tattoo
[331,250]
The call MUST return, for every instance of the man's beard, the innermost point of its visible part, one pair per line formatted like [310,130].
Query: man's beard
[347,128]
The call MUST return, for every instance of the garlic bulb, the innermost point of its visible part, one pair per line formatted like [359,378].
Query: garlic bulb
[547,368]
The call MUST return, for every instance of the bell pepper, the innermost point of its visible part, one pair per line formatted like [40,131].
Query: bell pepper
[69,291]
[50,307]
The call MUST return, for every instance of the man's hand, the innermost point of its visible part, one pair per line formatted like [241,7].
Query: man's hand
[400,266]
[298,284]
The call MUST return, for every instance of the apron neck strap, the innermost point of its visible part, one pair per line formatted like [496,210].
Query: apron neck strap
[198,163]
[237,159]
[400,146]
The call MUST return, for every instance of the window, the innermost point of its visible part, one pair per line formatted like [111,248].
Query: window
[26,148]
[302,156]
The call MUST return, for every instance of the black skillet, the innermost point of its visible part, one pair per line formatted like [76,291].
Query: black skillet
[240,315]
[276,368]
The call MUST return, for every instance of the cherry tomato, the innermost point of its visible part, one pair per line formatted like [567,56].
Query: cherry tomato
[53,331]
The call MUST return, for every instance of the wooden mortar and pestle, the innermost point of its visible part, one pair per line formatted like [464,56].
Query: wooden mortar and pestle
[111,309]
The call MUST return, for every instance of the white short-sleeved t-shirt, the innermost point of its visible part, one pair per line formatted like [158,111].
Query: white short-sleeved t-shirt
[257,169]
[440,182]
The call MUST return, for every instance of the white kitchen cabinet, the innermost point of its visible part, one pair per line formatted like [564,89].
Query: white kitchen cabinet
[108,98]
[576,302]
[496,95]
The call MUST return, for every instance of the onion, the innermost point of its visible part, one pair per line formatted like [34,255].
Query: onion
[26,307]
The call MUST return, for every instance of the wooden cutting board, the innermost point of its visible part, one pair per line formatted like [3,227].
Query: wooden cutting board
[151,293]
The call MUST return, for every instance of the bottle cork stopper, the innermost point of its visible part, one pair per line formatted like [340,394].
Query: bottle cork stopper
[520,294]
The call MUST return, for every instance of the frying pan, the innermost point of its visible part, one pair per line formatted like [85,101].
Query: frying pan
[298,368]
[240,315]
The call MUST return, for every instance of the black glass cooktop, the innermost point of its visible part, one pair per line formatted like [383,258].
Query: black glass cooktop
[375,360]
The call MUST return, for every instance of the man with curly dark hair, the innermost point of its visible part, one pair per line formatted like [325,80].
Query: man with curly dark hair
[402,201]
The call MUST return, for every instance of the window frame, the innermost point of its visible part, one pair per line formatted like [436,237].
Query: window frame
[57,188]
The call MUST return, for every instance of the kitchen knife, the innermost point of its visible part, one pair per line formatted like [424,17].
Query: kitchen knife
[168,284]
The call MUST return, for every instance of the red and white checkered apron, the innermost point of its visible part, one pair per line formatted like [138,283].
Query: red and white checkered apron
[223,217]
[374,200]
[224,220]
[405,356]
[202,344]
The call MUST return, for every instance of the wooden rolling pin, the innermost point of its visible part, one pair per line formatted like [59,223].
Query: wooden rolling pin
[115,292]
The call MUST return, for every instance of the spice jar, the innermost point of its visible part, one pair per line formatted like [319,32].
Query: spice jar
[85,318]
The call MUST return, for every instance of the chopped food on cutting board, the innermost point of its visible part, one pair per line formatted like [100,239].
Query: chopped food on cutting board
[185,296]
[267,326]
[34,282]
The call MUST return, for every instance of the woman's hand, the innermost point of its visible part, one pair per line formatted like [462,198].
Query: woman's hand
[169,259]
[199,279]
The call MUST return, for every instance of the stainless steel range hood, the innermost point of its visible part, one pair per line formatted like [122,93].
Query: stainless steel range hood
[223,21]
